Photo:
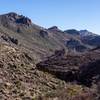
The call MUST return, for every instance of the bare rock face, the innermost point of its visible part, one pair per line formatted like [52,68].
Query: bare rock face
[43,33]
[15,18]
[10,39]
[24,20]
[19,18]
[54,29]
[76,45]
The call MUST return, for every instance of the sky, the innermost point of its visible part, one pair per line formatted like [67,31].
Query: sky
[66,14]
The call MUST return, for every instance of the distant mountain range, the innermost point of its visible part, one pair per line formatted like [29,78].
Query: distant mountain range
[86,37]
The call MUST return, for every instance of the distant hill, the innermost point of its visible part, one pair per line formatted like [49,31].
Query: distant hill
[86,37]
[90,38]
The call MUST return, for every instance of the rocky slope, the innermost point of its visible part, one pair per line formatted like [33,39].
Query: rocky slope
[21,80]
[19,30]
[83,69]
[30,70]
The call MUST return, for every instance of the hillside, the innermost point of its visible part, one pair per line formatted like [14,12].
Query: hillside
[35,39]
[21,80]
[47,64]
[83,69]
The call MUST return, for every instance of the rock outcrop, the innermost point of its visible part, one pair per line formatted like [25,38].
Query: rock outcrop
[13,17]
[43,33]
[10,39]
[75,45]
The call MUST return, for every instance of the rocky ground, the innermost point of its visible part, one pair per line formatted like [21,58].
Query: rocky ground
[21,80]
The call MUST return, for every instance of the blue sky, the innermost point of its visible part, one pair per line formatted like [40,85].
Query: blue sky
[66,14]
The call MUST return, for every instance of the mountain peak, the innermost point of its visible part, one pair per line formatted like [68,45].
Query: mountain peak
[86,33]
[72,32]
[12,14]
[54,28]
[85,30]
[16,18]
